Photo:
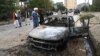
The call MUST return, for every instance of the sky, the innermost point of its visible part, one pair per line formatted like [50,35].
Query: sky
[78,1]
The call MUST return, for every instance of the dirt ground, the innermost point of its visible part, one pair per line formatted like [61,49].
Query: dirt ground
[95,29]
[74,48]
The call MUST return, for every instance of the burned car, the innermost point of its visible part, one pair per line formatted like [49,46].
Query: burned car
[48,37]
[51,36]
[57,31]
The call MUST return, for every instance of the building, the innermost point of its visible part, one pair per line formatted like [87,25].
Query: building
[21,3]
[70,4]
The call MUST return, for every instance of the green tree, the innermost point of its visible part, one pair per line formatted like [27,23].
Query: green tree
[6,8]
[60,6]
[45,4]
[85,8]
[96,5]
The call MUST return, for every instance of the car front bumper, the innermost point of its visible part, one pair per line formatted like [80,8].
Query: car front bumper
[46,44]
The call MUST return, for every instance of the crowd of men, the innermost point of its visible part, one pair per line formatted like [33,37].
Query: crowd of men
[37,18]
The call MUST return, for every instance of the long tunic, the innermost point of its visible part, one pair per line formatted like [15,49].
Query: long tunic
[35,18]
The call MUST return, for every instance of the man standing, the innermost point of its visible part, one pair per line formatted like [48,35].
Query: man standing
[17,22]
[35,17]
[19,19]
[41,17]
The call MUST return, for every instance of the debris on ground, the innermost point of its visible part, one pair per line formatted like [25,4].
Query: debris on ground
[73,48]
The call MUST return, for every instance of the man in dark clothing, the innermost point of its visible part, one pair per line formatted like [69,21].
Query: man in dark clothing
[41,16]
[19,19]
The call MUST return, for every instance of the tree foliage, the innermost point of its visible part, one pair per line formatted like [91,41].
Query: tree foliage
[96,5]
[85,8]
[86,16]
[60,6]
[6,8]
[45,4]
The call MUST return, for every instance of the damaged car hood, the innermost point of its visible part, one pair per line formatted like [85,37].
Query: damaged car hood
[49,33]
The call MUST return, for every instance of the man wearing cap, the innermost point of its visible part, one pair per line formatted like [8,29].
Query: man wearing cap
[35,17]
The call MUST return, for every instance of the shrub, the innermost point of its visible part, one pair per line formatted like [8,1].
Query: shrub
[86,16]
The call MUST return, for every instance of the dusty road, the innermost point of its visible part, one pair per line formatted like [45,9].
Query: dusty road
[11,36]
